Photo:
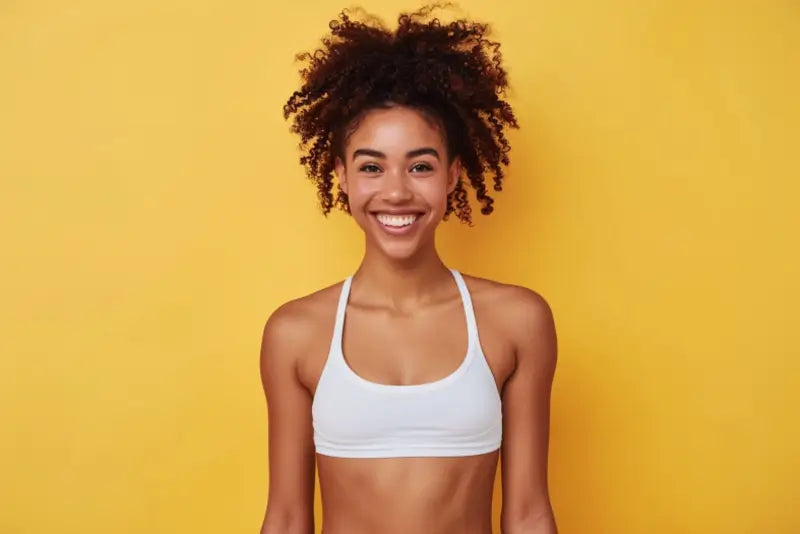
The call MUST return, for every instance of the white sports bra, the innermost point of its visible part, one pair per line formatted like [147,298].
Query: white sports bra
[458,415]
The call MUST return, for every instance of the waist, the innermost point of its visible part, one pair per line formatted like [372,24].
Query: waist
[388,495]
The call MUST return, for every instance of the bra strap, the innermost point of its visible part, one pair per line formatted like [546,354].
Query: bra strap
[472,325]
[338,327]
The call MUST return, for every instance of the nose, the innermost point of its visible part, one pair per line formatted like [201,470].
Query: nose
[396,187]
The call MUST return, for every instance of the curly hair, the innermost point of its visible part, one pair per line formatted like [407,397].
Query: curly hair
[450,72]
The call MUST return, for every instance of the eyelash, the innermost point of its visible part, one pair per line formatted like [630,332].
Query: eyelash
[425,167]
[365,168]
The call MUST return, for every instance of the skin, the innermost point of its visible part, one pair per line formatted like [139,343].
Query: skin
[405,325]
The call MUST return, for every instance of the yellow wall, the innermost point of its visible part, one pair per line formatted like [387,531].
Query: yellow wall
[153,214]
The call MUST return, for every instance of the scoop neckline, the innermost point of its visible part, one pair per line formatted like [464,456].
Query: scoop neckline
[423,386]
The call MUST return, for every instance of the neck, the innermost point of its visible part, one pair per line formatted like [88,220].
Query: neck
[401,284]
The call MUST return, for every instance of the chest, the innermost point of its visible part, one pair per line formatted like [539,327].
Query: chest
[411,348]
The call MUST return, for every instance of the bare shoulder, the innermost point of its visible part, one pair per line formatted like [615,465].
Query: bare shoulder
[291,327]
[523,313]
[517,303]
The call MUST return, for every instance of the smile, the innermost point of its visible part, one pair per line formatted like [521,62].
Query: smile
[396,221]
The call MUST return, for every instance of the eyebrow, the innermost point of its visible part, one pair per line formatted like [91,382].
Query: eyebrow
[411,154]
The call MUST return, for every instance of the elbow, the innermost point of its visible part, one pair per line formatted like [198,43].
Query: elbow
[287,523]
[540,522]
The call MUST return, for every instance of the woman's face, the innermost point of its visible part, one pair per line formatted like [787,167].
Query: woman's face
[397,179]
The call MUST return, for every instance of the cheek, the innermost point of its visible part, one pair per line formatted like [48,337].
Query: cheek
[435,193]
[359,196]
[361,191]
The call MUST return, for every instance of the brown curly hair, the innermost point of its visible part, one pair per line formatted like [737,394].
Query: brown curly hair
[451,72]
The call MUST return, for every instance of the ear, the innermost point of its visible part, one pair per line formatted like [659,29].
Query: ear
[453,174]
[341,174]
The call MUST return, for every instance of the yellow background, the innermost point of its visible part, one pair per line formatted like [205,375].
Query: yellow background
[153,213]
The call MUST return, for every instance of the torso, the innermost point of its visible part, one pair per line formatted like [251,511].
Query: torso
[435,495]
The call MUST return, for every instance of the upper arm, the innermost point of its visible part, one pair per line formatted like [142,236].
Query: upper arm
[290,505]
[526,416]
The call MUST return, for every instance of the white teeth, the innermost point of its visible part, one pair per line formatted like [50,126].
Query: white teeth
[396,220]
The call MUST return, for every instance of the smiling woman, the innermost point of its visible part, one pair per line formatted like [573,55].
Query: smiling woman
[406,406]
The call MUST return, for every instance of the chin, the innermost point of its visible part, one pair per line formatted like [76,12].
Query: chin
[399,249]
[399,252]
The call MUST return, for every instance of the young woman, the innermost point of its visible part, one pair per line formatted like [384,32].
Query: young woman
[408,380]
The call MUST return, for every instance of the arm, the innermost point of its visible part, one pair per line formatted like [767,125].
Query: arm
[526,419]
[290,503]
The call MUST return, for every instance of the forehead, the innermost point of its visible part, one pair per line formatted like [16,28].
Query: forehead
[396,129]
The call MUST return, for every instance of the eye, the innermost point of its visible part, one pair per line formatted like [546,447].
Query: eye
[421,167]
[370,168]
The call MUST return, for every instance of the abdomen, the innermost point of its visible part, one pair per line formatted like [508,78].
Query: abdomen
[407,495]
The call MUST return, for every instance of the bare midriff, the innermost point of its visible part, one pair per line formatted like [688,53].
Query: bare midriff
[407,495]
